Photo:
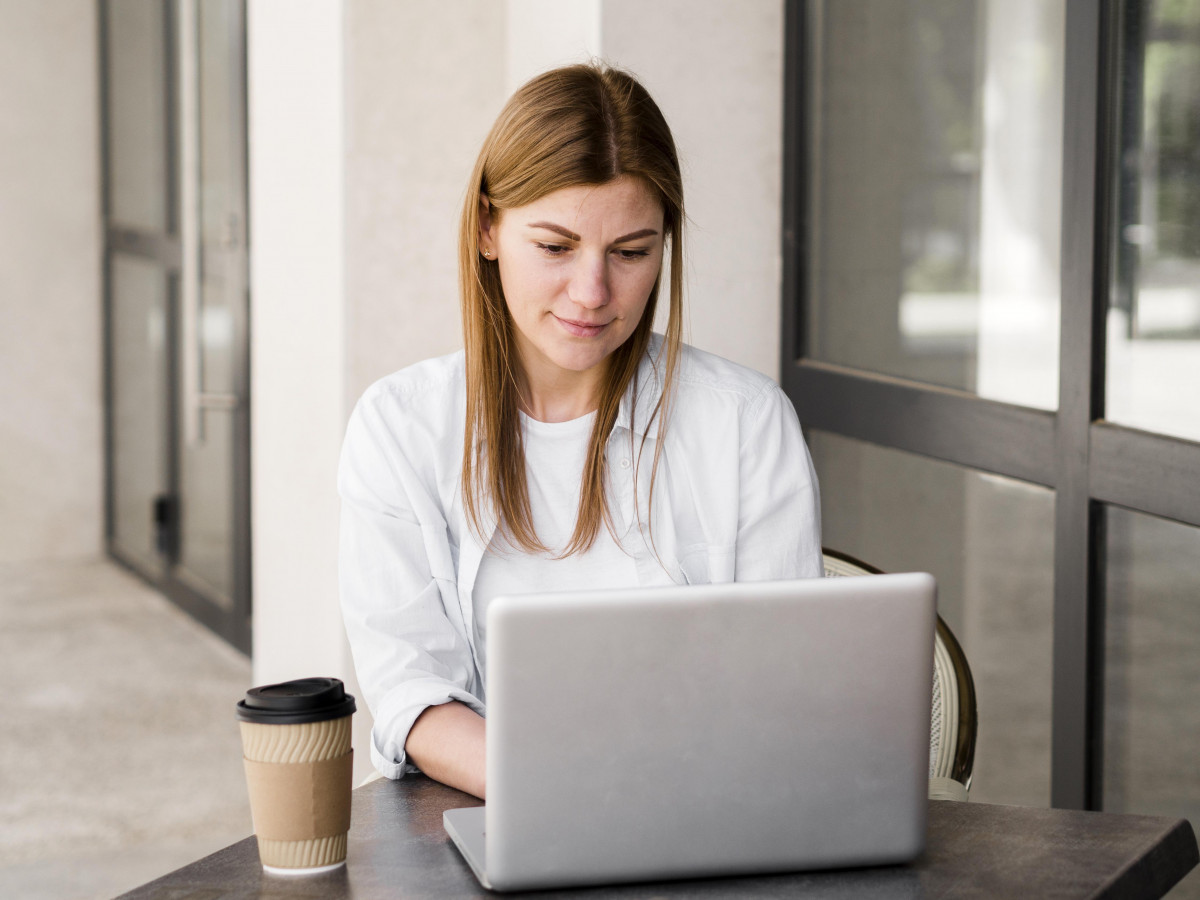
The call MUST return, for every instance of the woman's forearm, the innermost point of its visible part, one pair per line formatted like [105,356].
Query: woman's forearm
[447,744]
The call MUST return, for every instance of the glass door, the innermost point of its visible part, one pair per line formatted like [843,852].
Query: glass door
[141,262]
[213,383]
[177,307]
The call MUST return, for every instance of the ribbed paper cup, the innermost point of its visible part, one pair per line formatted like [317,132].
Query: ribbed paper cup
[299,773]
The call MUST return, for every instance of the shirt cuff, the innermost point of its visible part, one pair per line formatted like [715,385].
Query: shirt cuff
[390,734]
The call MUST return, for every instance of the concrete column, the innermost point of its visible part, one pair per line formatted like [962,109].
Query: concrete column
[297,352]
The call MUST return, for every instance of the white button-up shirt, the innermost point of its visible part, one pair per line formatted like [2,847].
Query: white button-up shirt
[735,499]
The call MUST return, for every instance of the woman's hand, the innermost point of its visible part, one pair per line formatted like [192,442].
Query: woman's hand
[447,744]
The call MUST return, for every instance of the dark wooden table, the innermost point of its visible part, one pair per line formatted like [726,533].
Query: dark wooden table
[398,848]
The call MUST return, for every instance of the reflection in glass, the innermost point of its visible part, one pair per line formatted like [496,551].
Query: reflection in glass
[989,541]
[1152,671]
[221,107]
[206,468]
[935,190]
[206,511]
[139,410]
[1154,314]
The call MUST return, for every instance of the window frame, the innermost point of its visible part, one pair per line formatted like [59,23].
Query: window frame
[1088,461]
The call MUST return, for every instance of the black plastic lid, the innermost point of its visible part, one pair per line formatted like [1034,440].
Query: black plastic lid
[296,702]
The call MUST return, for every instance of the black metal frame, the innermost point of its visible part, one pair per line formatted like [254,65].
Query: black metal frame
[242,529]
[1087,461]
[106,354]
[165,249]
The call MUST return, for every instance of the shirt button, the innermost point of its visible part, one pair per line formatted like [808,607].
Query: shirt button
[624,463]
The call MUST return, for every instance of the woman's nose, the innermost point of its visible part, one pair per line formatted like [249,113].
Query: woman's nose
[589,283]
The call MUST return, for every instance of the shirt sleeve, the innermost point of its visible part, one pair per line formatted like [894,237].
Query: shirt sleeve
[779,507]
[407,653]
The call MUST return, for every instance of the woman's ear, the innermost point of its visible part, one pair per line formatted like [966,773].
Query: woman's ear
[486,246]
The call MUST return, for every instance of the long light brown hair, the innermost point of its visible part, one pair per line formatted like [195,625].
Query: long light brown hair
[578,125]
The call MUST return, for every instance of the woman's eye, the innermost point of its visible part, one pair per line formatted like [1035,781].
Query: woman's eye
[550,249]
[633,254]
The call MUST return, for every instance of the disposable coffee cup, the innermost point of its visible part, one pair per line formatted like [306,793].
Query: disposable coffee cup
[299,772]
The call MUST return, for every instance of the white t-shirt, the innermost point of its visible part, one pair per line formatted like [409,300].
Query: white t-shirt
[555,453]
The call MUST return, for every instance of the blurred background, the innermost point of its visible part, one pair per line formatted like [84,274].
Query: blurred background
[220,220]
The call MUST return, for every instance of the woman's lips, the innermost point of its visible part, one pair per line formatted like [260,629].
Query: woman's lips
[580,329]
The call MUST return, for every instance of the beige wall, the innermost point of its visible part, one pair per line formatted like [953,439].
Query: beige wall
[423,83]
[51,461]
[545,34]
[716,69]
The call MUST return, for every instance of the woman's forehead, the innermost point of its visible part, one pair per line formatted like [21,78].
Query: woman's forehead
[624,201]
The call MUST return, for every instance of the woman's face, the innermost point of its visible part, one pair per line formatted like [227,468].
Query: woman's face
[577,267]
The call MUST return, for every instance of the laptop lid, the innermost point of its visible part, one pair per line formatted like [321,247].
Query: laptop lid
[707,730]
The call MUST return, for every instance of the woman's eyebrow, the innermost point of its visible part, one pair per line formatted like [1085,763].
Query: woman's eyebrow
[572,236]
[634,235]
[557,229]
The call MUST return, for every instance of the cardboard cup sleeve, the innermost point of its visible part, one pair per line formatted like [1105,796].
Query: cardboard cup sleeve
[300,801]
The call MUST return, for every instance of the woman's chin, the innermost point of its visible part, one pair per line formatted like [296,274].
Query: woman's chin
[577,354]
[579,362]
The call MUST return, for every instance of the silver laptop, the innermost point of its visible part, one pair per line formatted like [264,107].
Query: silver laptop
[648,734]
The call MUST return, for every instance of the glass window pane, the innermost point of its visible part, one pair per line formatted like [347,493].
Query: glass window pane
[1152,671]
[989,541]
[206,510]
[139,406]
[936,192]
[206,466]
[137,118]
[221,158]
[1154,312]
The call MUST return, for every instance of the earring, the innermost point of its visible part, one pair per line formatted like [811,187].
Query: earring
[487,254]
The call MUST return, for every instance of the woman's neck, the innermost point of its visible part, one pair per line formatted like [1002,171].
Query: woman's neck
[550,406]
[560,395]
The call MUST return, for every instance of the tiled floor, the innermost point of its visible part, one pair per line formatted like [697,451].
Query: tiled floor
[119,750]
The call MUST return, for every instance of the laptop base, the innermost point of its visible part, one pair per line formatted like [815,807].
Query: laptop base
[465,827]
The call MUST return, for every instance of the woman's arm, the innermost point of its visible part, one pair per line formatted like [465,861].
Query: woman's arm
[395,577]
[447,744]
[779,510]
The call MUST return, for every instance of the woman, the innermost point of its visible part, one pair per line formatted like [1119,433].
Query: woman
[567,445]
